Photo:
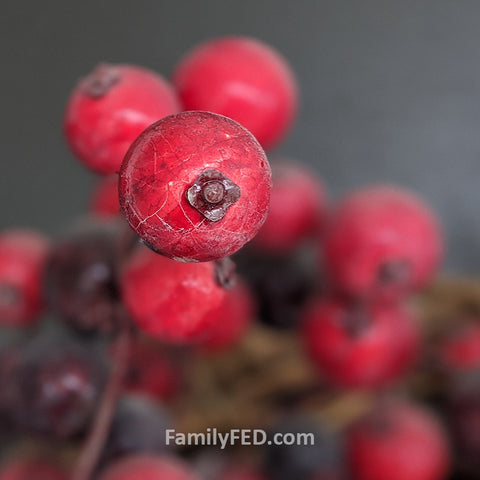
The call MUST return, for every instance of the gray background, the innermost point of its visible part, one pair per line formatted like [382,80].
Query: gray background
[391,91]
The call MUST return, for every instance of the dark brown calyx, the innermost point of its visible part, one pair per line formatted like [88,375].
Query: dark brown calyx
[101,80]
[212,193]
[394,272]
[225,272]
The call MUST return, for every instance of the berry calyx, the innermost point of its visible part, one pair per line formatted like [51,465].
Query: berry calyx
[23,254]
[367,346]
[241,78]
[382,241]
[109,108]
[398,441]
[148,467]
[212,193]
[195,186]
[171,301]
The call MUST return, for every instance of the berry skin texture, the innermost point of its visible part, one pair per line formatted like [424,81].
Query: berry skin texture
[232,319]
[171,301]
[28,469]
[241,78]
[22,259]
[195,186]
[361,347]
[104,201]
[148,467]
[382,240]
[297,209]
[109,108]
[400,442]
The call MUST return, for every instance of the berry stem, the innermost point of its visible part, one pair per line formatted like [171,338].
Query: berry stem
[88,458]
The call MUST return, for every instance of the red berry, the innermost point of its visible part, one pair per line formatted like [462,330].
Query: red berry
[243,79]
[148,467]
[382,241]
[366,346]
[28,469]
[399,441]
[22,259]
[109,108]
[232,319]
[152,371]
[195,186]
[462,349]
[104,200]
[297,209]
[172,301]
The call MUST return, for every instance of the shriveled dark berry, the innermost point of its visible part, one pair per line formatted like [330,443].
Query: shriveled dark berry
[281,284]
[81,278]
[138,427]
[50,386]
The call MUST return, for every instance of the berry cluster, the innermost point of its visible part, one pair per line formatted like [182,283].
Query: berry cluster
[157,279]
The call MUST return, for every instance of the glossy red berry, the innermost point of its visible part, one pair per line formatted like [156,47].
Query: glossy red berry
[22,259]
[367,346]
[148,467]
[104,201]
[195,186]
[232,319]
[109,108]
[297,209]
[153,371]
[29,468]
[382,240]
[461,349]
[399,441]
[172,301]
[243,79]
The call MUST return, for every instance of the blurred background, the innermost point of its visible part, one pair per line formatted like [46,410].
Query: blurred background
[390,92]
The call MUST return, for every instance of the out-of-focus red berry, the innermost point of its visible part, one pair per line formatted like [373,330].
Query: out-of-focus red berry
[367,346]
[172,301]
[297,209]
[232,319]
[399,441]
[104,201]
[382,240]
[461,350]
[148,467]
[109,108]
[195,186]
[22,259]
[152,371]
[29,469]
[243,79]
